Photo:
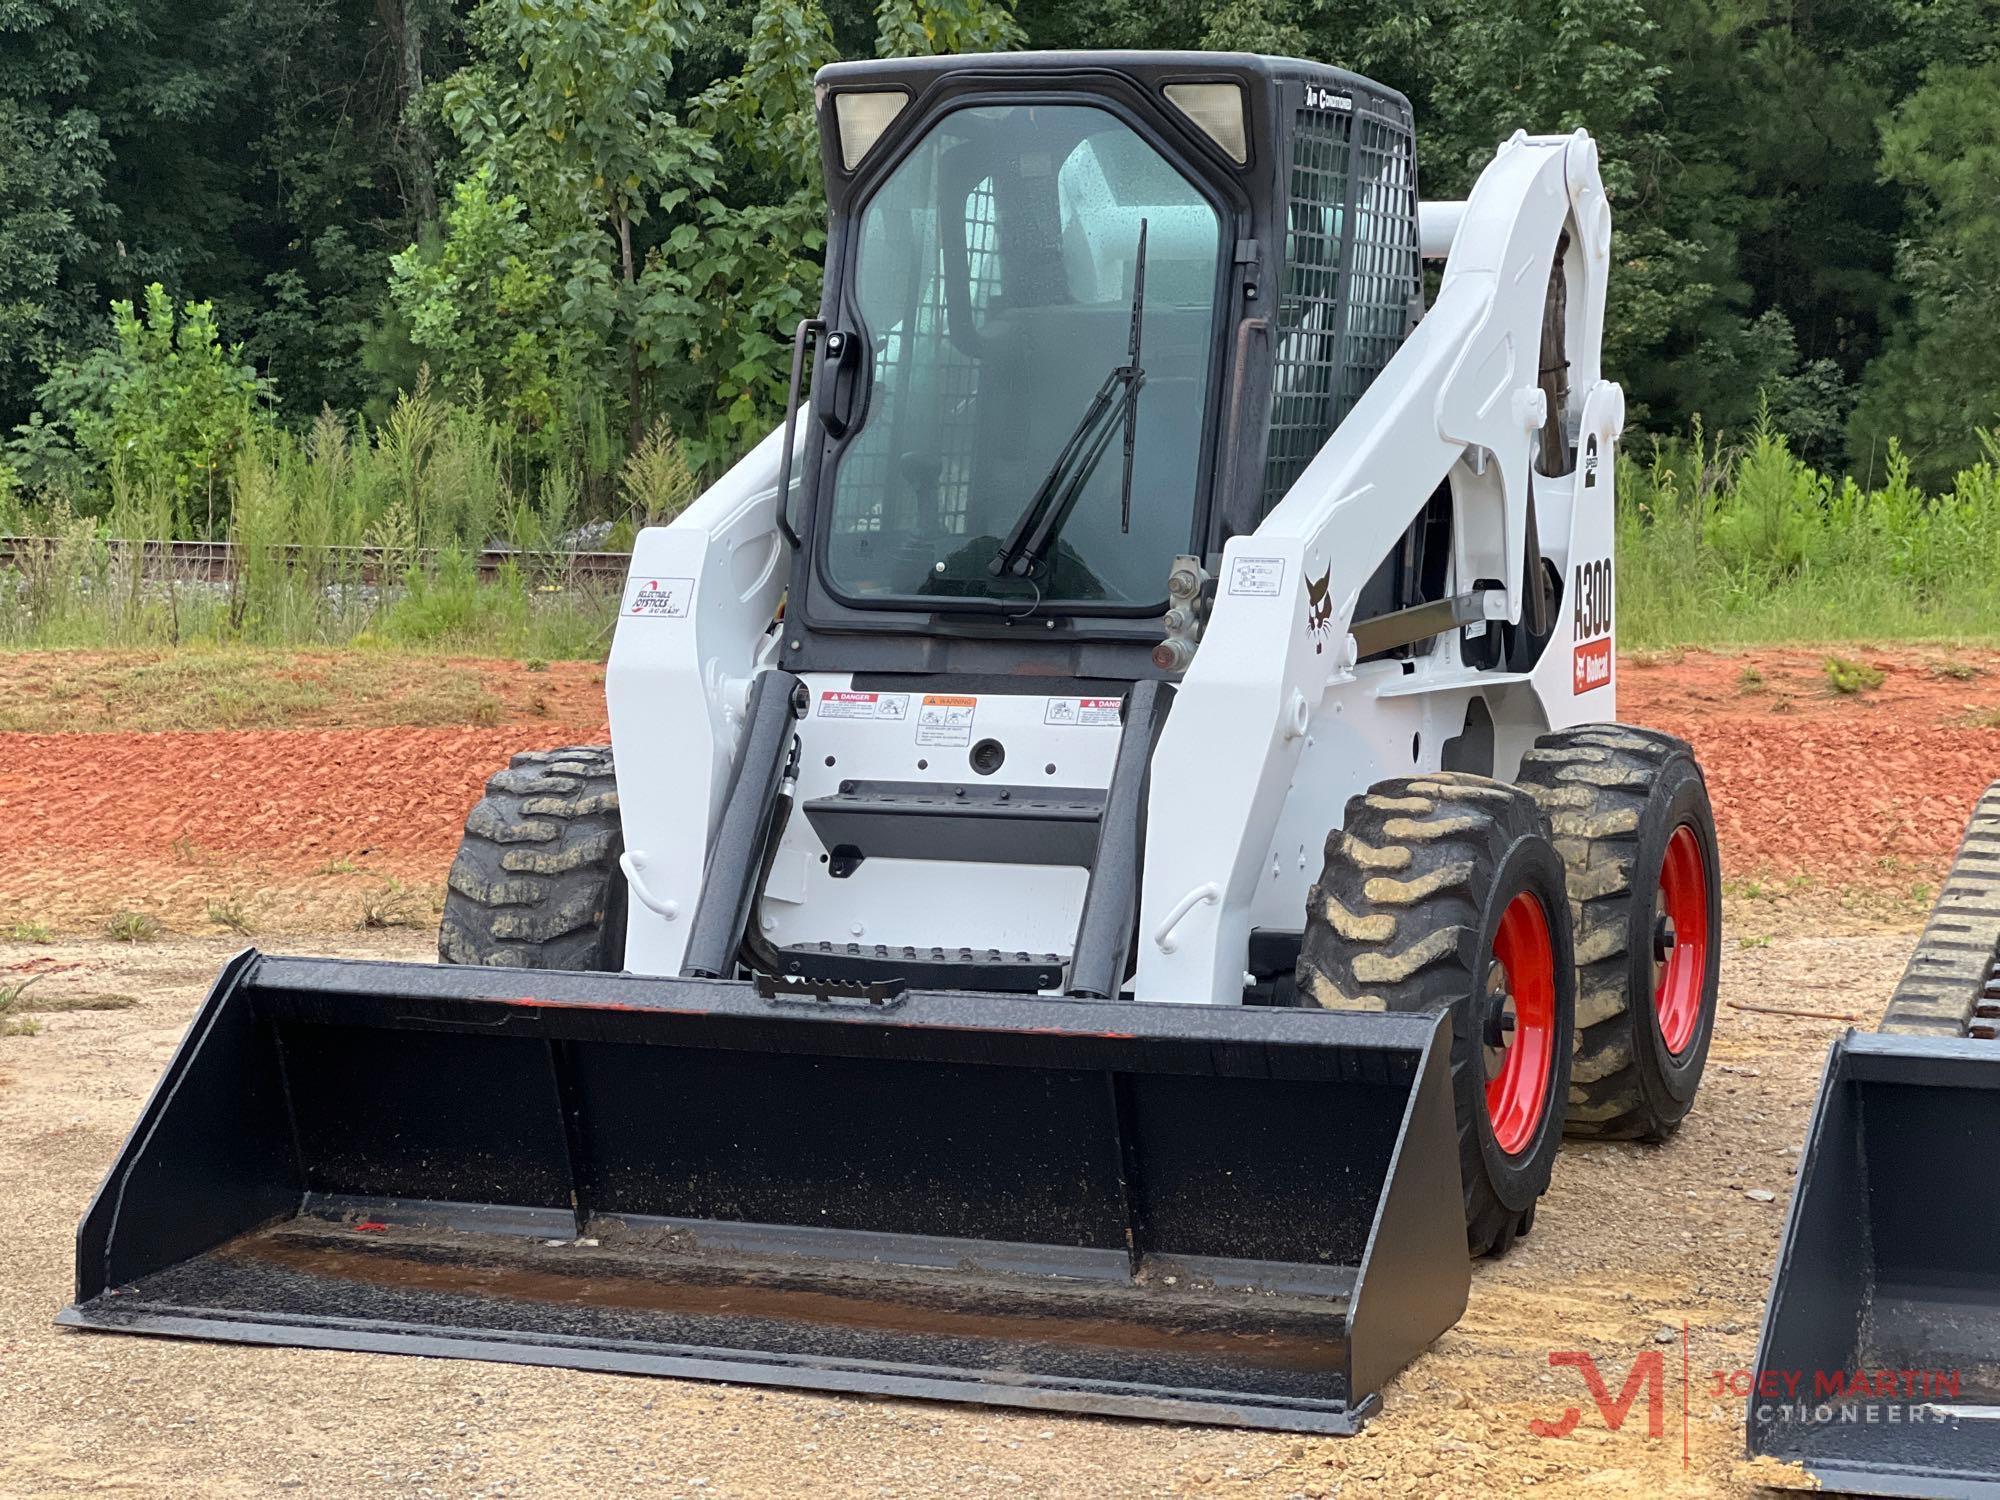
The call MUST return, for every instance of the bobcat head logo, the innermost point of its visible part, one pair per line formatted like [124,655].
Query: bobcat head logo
[1319,606]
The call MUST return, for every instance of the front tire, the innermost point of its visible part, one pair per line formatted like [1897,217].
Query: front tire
[536,883]
[1443,891]
[1633,824]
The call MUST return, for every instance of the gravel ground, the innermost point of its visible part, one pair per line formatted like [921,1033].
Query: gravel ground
[1632,1244]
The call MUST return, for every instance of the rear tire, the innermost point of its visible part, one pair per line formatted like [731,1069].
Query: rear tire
[1443,891]
[536,883]
[1633,825]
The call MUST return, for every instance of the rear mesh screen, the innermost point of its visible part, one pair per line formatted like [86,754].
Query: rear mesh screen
[1351,276]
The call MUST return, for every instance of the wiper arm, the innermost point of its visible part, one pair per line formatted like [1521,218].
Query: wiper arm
[1118,396]
[1138,379]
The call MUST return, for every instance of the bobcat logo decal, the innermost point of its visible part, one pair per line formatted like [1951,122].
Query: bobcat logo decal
[1319,607]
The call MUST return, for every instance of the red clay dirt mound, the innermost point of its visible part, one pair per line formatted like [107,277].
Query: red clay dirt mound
[305,829]
[310,827]
[1866,787]
[291,799]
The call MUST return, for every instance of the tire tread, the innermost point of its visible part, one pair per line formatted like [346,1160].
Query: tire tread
[1595,782]
[534,881]
[1394,922]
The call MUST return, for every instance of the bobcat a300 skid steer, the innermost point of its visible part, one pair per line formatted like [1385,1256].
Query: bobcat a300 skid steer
[1118,864]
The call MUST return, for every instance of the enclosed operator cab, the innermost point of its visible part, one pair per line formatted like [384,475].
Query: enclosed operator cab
[1082,317]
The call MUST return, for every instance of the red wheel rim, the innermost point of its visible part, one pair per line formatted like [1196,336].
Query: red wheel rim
[1520,1024]
[1680,941]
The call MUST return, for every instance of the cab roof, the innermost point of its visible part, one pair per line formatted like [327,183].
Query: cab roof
[1250,68]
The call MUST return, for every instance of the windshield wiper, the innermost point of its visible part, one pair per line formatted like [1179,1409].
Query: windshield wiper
[1118,396]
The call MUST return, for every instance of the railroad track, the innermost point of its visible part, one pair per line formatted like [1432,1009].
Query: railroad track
[217,562]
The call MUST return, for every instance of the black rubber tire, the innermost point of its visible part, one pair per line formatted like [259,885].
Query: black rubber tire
[1614,795]
[536,883]
[1403,918]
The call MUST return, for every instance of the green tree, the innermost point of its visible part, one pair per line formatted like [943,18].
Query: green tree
[572,104]
[482,305]
[54,211]
[245,151]
[935,28]
[1939,381]
[165,408]
[729,284]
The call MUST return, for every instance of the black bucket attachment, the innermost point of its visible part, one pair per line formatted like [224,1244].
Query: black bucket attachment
[1880,1357]
[1208,1214]
[1879,1363]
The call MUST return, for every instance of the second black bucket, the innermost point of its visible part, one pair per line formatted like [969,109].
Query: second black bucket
[1879,1363]
[1881,1348]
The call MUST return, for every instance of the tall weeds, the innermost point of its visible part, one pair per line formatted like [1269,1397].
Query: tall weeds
[1722,544]
[428,490]
[1719,542]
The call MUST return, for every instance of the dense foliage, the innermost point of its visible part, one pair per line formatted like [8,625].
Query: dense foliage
[587,217]
[1724,543]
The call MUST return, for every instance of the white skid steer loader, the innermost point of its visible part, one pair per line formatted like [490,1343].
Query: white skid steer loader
[1118,864]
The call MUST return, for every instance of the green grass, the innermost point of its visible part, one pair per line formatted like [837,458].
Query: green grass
[208,687]
[230,912]
[132,927]
[394,905]
[1722,545]
[12,1022]
[1719,544]
[84,596]
[1849,678]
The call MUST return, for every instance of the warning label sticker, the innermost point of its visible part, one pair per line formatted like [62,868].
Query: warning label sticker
[1081,711]
[845,705]
[1260,577]
[1592,666]
[659,598]
[945,720]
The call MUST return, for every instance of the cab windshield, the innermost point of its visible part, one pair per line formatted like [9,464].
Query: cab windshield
[997,274]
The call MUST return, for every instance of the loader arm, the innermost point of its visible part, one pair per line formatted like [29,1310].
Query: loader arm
[721,565]
[1458,401]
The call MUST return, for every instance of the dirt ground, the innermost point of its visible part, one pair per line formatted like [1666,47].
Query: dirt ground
[1837,813]
[1814,787]
[354,796]
[1631,1244]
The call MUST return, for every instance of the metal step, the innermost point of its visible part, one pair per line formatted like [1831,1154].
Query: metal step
[962,823]
[926,968]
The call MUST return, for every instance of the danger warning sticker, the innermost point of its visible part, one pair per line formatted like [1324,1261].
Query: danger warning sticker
[845,705]
[1592,666]
[1081,711]
[659,598]
[945,720]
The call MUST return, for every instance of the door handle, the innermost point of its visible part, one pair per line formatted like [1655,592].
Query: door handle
[837,385]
